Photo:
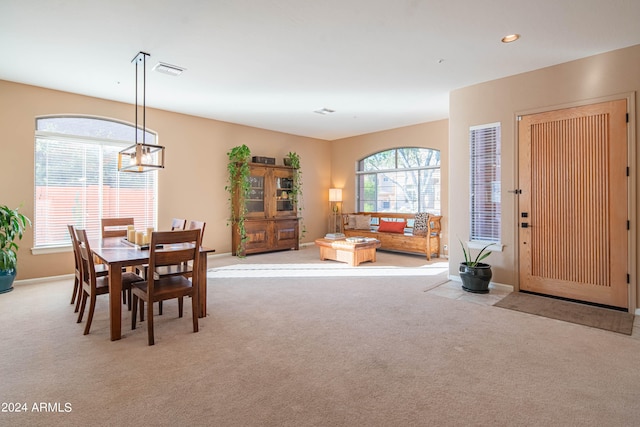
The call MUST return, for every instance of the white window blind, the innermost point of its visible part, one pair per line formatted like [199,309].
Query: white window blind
[77,181]
[485,182]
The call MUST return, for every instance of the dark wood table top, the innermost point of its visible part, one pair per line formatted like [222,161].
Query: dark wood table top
[115,250]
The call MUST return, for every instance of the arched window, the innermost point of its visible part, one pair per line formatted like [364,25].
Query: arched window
[400,180]
[77,180]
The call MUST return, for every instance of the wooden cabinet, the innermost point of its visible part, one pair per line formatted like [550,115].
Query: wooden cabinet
[271,221]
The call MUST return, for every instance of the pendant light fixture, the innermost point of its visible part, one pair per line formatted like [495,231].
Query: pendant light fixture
[141,157]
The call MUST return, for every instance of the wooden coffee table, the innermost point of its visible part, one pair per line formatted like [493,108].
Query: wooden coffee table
[344,251]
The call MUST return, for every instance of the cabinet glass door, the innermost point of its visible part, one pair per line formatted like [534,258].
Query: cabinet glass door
[284,186]
[255,200]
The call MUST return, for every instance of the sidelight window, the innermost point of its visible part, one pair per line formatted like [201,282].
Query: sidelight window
[485,204]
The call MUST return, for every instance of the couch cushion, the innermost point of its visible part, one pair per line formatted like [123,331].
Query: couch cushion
[363,222]
[349,222]
[392,226]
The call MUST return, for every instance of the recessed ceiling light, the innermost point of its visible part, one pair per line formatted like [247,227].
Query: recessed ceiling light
[172,70]
[324,111]
[510,38]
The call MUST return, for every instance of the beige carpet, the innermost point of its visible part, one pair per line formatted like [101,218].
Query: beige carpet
[314,351]
[582,314]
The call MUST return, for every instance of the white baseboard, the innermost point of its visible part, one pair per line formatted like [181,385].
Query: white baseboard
[37,280]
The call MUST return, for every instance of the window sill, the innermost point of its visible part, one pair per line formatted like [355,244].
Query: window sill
[46,250]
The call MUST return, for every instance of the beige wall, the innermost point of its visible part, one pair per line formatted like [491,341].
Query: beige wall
[345,153]
[610,74]
[191,186]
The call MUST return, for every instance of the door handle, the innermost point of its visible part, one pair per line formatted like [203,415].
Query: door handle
[525,225]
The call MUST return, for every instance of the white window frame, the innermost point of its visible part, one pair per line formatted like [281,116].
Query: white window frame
[382,176]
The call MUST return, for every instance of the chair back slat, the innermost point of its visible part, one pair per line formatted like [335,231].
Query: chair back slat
[115,227]
[173,256]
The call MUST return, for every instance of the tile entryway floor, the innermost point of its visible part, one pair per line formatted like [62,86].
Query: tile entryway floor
[453,290]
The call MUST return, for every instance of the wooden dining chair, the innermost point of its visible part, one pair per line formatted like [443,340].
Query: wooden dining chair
[115,227]
[192,225]
[178,224]
[94,285]
[186,269]
[168,248]
[101,269]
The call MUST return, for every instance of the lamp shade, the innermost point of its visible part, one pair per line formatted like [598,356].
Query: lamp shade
[335,194]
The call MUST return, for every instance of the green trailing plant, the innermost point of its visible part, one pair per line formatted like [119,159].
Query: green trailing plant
[12,226]
[484,252]
[238,188]
[293,160]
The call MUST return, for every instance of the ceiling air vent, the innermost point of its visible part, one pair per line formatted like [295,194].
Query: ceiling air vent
[324,111]
[172,70]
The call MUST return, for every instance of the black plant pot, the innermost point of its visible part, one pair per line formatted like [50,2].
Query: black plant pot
[475,279]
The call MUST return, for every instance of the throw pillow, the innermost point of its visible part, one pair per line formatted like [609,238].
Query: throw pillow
[363,222]
[392,226]
[350,222]
[420,225]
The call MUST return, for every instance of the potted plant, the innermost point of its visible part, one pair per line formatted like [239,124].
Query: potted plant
[475,275]
[295,195]
[12,226]
[238,188]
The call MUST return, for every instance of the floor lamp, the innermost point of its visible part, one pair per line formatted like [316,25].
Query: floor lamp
[335,200]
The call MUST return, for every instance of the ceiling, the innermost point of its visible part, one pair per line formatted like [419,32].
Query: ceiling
[380,64]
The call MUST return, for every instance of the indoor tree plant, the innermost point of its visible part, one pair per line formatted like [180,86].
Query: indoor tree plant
[238,188]
[12,227]
[293,159]
[475,275]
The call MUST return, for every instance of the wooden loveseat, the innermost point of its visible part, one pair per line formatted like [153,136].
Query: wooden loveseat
[395,231]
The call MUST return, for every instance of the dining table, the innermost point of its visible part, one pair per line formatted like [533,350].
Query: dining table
[117,253]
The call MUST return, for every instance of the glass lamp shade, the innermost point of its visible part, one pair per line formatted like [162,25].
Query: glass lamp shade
[141,158]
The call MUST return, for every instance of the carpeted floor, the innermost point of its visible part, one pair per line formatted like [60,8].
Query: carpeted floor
[310,350]
[582,314]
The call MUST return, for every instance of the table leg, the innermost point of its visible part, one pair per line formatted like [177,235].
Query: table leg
[202,284]
[115,306]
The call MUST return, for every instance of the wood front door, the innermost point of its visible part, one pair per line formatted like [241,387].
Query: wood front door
[573,205]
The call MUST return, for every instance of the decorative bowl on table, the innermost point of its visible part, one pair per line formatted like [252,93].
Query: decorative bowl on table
[356,239]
